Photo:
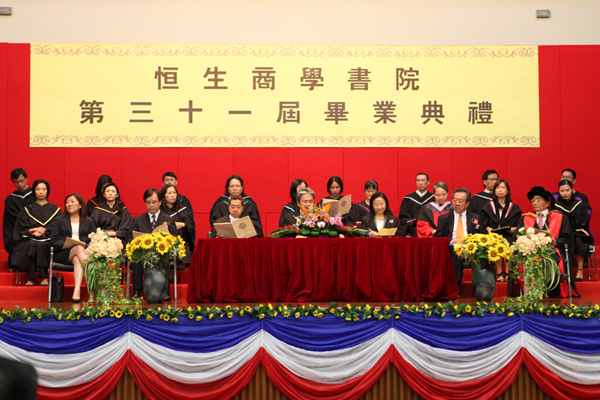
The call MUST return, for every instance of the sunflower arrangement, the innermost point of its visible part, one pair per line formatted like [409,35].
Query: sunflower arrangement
[154,249]
[478,248]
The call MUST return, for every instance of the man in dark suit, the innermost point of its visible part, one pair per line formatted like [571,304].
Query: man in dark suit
[146,223]
[456,225]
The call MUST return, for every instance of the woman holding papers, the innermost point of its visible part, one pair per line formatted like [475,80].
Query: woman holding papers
[70,236]
[235,187]
[292,209]
[182,216]
[363,208]
[579,214]
[380,221]
[32,233]
[236,211]
[110,215]
[335,188]
[500,215]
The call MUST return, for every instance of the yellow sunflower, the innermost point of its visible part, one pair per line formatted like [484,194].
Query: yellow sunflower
[484,240]
[471,248]
[170,240]
[493,254]
[162,247]
[502,251]
[181,253]
[137,241]
[147,242]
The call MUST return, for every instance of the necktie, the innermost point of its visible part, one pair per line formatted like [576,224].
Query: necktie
[540,221]
[460,229]
[153,222]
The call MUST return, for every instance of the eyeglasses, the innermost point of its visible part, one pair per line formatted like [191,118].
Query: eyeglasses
[538,200]
[153,202]
[458,201]
[22,180]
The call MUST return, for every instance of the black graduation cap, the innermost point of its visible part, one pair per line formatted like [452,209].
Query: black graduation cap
[543,193]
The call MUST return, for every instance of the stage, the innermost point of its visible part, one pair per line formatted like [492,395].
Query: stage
[317,350]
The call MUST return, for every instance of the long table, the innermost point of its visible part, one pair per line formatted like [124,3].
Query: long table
[310,270]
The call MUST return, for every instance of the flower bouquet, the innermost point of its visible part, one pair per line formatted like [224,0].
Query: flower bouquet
[155,249]
[477,249]
[533,251]
[102,267]
[317,222]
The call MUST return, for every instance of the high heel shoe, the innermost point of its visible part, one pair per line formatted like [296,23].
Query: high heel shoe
[74,300]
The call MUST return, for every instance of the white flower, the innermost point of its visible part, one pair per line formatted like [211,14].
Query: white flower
[530,231]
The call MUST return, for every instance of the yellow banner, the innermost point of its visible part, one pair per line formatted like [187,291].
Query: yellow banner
[283,96]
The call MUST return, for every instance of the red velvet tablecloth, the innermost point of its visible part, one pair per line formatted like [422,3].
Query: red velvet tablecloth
[309,270]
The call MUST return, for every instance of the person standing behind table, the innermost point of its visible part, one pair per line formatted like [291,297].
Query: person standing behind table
[546,218]
[379,217]
[146,223]
[235,187]
[111,216]
[74,223]
[489,179]
[31,235]
[97,199]
[501,212]
[235,211]
[169,178]
[457,224]
[335,188]
[579,214]
[363,208]
[430,212]
[13,205]
[182,217]
[570,175]
[412,203]
[292,209]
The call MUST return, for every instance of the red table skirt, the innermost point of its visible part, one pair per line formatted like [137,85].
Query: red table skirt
[305,270]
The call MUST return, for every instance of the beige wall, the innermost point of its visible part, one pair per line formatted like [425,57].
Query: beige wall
[399,22]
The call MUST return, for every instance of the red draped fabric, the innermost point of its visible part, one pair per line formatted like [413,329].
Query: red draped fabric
[303,270]
[296,388]
[156,387]
[554,386]
[489,387]
[100,388]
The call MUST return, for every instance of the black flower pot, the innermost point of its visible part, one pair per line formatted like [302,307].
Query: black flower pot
[484,281]
[156,283]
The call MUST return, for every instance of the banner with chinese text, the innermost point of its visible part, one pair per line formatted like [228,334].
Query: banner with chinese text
[87,95]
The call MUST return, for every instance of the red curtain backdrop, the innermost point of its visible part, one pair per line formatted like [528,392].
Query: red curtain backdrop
[569,139]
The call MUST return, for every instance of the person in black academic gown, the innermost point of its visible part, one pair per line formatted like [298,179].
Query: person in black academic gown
[335,188]
[579,213]
[169,178]
[570,175]
[292,209]
[501,212]
[412,203]
[146,223]
[431,212]
[14,204]
[235,210]
[110,215]
[480,199]
[97,199]
[182,217]
[362,208]
[547,218]
[380,216]
[235,186]
[457,224]
[75,224]
[32,233]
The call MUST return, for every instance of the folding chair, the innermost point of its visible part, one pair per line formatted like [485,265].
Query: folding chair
[56,267]
[592,260]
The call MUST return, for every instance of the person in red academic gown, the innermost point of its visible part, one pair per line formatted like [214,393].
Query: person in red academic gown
[430,212]
[545,218]
[411,205]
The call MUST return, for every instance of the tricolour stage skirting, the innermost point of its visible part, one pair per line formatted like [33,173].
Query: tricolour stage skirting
[471,357]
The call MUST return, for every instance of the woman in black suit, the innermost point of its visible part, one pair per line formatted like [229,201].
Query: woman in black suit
[380,216]
[74,223]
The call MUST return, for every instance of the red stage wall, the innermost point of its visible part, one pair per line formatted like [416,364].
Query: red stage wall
[569,114]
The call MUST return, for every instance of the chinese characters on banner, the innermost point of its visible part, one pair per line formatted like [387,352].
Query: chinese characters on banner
[273,96]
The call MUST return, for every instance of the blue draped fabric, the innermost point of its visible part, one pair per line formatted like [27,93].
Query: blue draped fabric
[197,336]
[570,334]
[310,333]
[60,337]
[325,334]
